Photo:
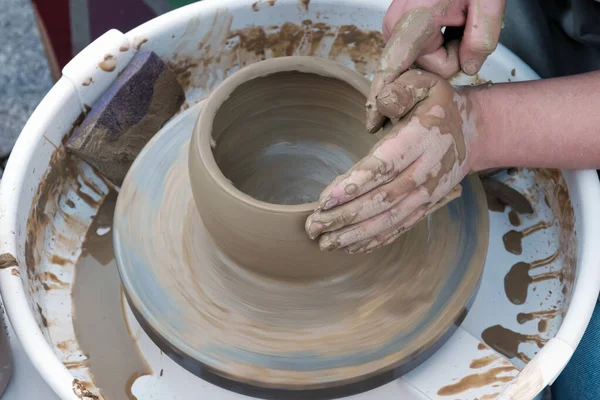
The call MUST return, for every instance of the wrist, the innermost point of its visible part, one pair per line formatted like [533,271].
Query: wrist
[481,121]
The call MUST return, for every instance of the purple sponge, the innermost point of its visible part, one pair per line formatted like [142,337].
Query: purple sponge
[127,115]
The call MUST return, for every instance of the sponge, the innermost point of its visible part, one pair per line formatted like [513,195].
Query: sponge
[127,115]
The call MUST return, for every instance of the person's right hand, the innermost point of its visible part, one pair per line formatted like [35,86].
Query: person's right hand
[413,31]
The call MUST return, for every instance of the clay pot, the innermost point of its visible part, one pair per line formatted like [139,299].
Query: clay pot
[269,139]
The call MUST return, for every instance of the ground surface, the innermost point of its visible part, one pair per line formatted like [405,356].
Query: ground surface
[24,73]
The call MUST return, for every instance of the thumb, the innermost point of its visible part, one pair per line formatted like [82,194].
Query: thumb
[411,33]
[482,32]
[399,97]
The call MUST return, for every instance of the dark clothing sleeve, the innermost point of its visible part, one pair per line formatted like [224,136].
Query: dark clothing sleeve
[555,37]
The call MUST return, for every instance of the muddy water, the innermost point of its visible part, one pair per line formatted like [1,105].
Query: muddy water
[506,342]
[100,327]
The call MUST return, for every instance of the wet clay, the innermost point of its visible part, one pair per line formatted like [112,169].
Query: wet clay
[301,130]
[97,298]
[518,279]
[513,240]
[108,64]
[224,49]
[484,361]
[82,392]
[543,316]
[474,381]
[506,342]
[556,195]
[494,204]
[8,260]
[227,269]
[514,218]
[300,144]
[502,194]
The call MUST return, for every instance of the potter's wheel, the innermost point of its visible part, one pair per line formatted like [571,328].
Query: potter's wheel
[265,337]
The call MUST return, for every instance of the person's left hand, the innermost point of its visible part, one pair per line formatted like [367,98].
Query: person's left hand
[410,173]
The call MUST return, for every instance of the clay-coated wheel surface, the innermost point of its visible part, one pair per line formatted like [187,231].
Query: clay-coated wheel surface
[213,316]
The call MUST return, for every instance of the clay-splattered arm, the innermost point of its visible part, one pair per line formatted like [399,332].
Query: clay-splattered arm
[549,123]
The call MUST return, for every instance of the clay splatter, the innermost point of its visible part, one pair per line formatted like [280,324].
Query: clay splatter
[506,342]
[494,204]
[557,196]
[50,281]
[257,5]
[8,260]
[484,361]
[517,280]
[543,316]
[494,375]
[108,64]
[513,240]
[42,316]
[88,81]
[124,48]
[514,218]
[305,4]
[83,392]
[504,195]
[221,50]
[138,42]
[525,317]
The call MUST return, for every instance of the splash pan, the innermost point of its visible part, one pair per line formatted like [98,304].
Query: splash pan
[62,292]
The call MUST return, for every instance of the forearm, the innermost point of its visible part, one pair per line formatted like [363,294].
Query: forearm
[551,123]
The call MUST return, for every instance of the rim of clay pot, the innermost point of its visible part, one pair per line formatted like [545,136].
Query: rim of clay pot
[201,136]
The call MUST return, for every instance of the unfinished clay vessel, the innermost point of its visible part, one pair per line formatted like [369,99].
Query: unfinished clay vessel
[267,142]
[211,249]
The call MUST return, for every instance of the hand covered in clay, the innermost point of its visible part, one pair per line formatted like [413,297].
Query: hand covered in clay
[413,31]
[410,173]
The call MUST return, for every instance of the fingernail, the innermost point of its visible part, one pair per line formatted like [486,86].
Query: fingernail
[330,203]
[328,244]
[351,188]
[470,67]
[315,229]
[389,104]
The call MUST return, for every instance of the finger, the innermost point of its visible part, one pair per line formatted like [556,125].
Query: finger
[444,61]
[409,38]
[393,234]
[482,31]
[370,204]
[389,157]
[417,218]
[376,225]
[399,97]
[368,245]
[392,15]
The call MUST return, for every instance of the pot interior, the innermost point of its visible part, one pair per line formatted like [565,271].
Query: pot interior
[284,137]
